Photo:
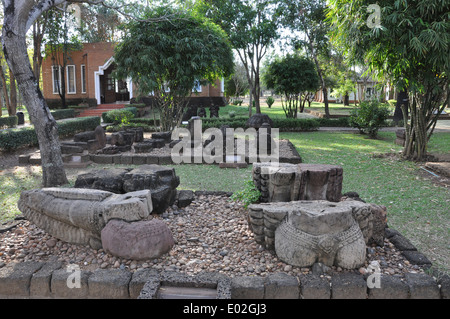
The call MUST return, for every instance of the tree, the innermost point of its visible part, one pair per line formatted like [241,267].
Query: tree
[169,56]
[99,24]
[59,47]
[252,26]
[19,16]
[408,43]
[308,17]
[237,84]
[290,76]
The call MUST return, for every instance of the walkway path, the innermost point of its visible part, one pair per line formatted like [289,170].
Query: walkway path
[100,109]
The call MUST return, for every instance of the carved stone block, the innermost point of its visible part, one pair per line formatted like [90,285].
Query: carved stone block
[305,232]
[283,182]
[78,215]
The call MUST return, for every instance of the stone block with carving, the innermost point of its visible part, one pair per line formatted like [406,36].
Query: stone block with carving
[283,182]
[140,240]
[305,232]
[160,180]
[79,215]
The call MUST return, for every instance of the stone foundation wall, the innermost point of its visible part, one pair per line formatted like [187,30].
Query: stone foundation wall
[36,280]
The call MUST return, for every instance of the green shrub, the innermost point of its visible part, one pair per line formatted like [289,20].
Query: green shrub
[248,195]
[8,121]
[63,114]
[232,114]
[270,100]
[146,121]
[392,103]
[369,117]
[120,127]
[138,105]
[26,136]
[290,124]
[237,102]
[70,127]
[285,125]
[339,122]
[113,115]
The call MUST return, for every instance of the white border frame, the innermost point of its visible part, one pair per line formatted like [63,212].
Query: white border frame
[83,78]
[74,79]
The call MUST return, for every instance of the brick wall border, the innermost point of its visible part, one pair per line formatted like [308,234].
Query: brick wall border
[48,280]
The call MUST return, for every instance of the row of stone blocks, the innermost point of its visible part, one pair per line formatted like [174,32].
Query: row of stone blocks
[38,280]
[128,159]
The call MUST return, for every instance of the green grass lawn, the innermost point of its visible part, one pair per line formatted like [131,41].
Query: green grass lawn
[416,207]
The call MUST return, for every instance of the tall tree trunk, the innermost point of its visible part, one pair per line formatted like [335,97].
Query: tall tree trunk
[4,88]
[15,50]
[12,94]
[402,98]
[346,99]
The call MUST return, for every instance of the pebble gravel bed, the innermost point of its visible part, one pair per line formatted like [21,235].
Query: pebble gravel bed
[211,235]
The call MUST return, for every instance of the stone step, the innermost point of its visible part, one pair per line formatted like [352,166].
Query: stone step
[166,292]
[100,109]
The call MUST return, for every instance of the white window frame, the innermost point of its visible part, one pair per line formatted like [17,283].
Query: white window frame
[197,87]
[74,79]
[83,78]
[55,89]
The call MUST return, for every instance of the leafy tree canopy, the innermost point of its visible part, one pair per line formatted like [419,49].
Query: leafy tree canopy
[167,56]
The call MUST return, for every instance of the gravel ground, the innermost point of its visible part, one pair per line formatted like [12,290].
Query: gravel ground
[211,234]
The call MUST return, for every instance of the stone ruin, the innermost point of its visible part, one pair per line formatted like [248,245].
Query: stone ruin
[161,181]
[79,215]
[286,182]
[110,209]
[97,142]
[303,219]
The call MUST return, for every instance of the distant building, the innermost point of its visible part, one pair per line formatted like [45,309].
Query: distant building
[364,90]
[88,79]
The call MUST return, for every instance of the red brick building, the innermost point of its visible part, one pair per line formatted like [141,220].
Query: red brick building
[88,79]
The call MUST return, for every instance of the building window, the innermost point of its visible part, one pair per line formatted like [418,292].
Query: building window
[71,80]
[197,87]
[56,79]
[83,78]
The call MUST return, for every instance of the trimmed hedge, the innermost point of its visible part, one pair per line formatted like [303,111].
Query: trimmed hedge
[109,117]
[338,122]
[283,124]
[8,121]
[14,138]
[146,121]
[63,114]
[70,127]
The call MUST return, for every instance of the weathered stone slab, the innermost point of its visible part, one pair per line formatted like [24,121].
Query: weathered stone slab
[267,217]
[289,182]
[141,240]
[185,198]
[41,280]
[422,286]
[320,232]
[161,181]
[66,284]
[78,215]
[348,286]
[247,288]
[139,279]
[314,287]
[15,278]
[110,180]
[84,136]
[281,286]
[390,288]
[109,284]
